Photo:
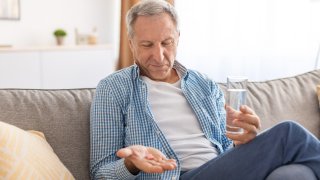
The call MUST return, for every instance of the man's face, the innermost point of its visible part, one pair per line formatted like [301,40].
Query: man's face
[154,46]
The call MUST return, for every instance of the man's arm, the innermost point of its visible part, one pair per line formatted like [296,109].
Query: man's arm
[107,135]
[107,147]
[220,103]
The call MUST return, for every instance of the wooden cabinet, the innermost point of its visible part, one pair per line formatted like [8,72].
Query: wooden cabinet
[55,68]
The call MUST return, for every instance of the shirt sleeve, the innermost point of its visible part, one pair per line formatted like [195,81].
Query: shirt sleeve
[220,101]
[106,135]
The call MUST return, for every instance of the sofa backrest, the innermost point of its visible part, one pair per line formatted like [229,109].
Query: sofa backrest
[292,98]
[63,115]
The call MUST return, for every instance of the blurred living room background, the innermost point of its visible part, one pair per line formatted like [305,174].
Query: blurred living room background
[261,39]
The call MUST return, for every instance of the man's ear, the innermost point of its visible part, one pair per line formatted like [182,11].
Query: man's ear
[178,38]
[131,44]
[132,48]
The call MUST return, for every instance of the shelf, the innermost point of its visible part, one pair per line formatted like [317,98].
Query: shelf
[56,48]
[55,67]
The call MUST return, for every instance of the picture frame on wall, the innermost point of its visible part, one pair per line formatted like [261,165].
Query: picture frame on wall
[9,9]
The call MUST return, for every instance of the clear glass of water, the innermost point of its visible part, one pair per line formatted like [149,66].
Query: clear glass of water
[236,96]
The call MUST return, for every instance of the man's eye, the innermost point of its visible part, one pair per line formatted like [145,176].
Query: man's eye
[167,43]
[146,45]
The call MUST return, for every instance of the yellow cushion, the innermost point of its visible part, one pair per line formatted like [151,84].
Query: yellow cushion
[27,155]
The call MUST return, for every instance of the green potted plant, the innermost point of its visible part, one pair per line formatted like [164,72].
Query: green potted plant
[60,34]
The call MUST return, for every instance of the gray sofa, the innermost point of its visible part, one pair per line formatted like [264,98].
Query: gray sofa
[63,115]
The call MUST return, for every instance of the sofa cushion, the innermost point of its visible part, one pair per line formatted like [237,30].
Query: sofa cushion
[62,115]
[27,154]
[292,98]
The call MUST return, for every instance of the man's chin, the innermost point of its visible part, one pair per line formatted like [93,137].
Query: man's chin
[159,76]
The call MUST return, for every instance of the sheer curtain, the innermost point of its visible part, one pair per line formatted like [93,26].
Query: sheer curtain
[262,39]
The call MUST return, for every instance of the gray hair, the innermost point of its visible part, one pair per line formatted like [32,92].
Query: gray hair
[150,8]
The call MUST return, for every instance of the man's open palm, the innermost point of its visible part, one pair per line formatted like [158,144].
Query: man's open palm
[146,159]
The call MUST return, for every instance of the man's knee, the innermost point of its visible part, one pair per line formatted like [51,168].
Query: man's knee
[288,125]
[286,130]
[292,172]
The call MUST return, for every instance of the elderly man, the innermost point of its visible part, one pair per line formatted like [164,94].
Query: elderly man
[160,120]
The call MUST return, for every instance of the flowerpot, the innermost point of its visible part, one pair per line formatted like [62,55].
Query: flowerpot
[60,40]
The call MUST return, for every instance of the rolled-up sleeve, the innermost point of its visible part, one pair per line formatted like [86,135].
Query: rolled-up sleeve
[220,101]
[106,135]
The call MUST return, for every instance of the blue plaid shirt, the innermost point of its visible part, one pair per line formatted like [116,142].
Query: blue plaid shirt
[121,116]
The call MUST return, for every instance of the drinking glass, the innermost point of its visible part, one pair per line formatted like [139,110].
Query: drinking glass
[236,96]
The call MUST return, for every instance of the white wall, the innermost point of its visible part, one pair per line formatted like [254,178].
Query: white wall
[39,18]
[262,39]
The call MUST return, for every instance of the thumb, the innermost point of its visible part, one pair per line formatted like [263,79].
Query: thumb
[124,152]
[231,111]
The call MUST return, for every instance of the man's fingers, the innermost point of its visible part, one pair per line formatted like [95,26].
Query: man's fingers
[246,110]
[156,154]
[147,159]
[245,114]
[240,138]
[250,127]
[246,119]
[249,119]
[124,152]
[232,113]
[165,164]
[152,166]
[249,116]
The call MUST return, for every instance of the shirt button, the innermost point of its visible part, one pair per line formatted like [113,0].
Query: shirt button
[173,178]
[158,132]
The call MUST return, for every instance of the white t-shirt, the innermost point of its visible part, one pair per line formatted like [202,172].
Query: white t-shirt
[179,124]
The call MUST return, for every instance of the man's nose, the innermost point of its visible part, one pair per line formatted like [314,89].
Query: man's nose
[158,53]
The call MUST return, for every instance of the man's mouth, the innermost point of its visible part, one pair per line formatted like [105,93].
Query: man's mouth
[158,66]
